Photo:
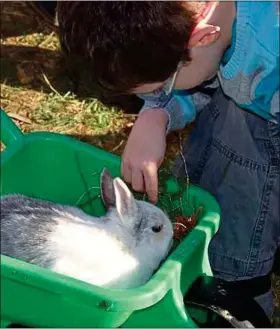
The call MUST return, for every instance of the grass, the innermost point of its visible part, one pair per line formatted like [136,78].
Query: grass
[35,92]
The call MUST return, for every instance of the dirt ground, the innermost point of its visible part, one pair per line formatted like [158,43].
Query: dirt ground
[35,92]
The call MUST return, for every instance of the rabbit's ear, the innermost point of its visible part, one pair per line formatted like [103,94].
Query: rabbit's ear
[125,202]
[107,189]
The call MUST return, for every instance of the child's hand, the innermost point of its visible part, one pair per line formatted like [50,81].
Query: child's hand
[144,152]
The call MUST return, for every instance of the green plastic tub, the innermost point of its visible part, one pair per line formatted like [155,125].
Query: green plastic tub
[57,168]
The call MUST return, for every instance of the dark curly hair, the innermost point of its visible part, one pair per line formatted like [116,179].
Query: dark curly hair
[125,43]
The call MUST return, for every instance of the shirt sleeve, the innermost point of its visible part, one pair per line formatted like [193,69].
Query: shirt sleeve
[181,107]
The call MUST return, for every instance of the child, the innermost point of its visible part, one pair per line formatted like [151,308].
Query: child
[216,63]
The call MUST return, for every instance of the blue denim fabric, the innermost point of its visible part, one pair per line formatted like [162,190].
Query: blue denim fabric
[235,155]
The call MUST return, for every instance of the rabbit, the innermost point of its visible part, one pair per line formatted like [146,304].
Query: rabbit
[118,251]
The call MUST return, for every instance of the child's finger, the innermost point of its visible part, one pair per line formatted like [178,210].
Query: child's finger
[126,173]
[151,181]
[137,180]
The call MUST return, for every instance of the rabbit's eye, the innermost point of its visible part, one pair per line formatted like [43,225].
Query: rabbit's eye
[157,228]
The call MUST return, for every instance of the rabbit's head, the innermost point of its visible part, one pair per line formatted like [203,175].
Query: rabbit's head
[144,228]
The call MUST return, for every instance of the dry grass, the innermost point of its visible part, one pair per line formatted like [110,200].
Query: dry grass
[34,91]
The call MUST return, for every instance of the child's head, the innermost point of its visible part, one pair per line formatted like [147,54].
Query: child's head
[135,46]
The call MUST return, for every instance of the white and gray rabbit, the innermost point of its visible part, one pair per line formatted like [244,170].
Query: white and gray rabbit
[120,250]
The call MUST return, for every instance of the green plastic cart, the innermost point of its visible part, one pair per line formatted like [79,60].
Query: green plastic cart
[58,168]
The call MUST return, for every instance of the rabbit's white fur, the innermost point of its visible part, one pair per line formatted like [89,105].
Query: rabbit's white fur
[119,250]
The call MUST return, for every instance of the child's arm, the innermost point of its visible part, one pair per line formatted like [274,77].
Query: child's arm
[145,148]
[144,152]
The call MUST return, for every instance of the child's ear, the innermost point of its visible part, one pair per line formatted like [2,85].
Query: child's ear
[204,35]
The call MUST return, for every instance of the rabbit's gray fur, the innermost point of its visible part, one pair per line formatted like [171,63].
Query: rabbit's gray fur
[65,239]
[26,224]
